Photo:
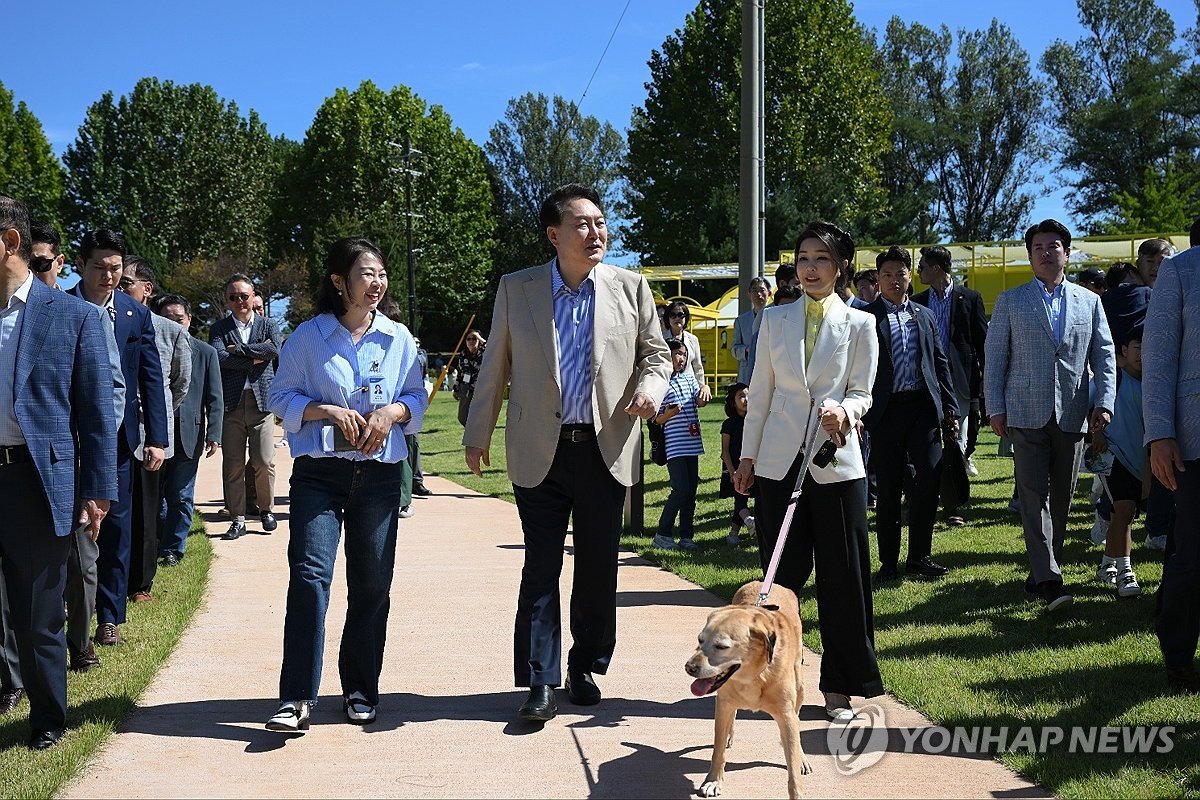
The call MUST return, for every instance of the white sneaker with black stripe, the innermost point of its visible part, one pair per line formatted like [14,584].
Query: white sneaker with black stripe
[357,709]
[292,717]
[1127,584]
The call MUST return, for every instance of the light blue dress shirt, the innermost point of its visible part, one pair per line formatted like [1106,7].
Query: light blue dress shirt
[1056,308]
[905,349]
[320,363]
[10,337]
[940,306]
[574,314]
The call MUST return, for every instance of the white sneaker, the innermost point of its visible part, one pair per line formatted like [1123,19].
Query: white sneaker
[1156,542]
[1099,530]
[1127,585]
[1107,574]
[292,717]
[972,470]
[748,522]
[357,709]
[837,708]
[406,512]
[663,543]
[733,537]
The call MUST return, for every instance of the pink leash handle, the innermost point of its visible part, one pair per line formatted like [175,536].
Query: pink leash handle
[785,528]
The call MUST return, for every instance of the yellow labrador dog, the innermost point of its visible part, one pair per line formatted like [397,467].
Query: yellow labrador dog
[751,657]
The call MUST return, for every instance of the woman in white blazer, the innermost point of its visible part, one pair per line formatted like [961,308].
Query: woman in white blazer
[814,366]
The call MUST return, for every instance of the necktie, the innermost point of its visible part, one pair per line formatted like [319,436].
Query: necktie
[814,315]
[112,313]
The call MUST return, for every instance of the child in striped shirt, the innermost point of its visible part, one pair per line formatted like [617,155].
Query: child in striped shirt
[680,417]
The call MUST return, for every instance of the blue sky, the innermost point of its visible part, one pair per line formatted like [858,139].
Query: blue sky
[470,57]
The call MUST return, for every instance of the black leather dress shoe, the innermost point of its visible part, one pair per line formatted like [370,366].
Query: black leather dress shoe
[236,531]
[40,740]
[926,568]
[582,689]
[540,706]
[269,522]
[10,699]
[887,573]
[421,491]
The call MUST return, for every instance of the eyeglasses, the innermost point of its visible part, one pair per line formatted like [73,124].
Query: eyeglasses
[238,298]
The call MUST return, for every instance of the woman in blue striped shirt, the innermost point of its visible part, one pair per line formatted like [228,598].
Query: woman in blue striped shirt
[348,389]
[680,417]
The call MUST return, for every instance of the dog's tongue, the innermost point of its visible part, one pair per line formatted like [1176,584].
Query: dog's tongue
[702,686]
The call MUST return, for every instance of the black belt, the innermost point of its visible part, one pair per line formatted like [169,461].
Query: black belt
[14,454]
[909,394]
[577,433]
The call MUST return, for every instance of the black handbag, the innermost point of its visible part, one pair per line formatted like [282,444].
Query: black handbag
[658,443]
[956,485]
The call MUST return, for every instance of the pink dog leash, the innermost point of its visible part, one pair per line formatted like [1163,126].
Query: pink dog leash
[805,464]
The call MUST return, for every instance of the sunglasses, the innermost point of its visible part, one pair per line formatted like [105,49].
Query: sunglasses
[677,315]
[42,263]
[238,298]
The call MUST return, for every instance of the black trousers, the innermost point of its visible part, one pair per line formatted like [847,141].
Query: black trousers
[907,433]
[34,562]
[829,530]
[1178,623]
[143,548]
[578,488]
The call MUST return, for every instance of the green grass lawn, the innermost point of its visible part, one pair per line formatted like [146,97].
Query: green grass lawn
[968,650]
[99,700]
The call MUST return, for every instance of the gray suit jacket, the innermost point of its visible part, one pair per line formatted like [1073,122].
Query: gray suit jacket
[200,417]
[1031,378]
[1171,355]
[175,356]
[743,347]
[238,367]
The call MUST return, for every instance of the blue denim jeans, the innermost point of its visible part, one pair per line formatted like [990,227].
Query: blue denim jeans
[175,516]
[685,478]
[327,493]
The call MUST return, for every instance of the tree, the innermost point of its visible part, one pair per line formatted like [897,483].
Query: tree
[349,173]
[1127,98]
[967,132]
[827,126]
[29,170]
[180,171]
[534,150]
[1168,201]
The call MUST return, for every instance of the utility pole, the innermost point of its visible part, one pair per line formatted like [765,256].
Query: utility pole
[409,154]
[750,191]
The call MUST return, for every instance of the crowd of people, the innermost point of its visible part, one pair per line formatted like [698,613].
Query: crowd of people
[844,403]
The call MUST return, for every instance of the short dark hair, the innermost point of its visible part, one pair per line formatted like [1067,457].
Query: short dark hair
[1133,334]
[160,303]
[1117,272]
[674,344]
[554,205]
[388,306]
[869,275]
[15,216]
[102,239]
[237,277]
[785,293]
[1047,226]
[839,242]
[43,232]
[894,253]
[141,268]
[1194,234]
[938,256]
[785,274]
[731,393]
[679,305]
[338,261]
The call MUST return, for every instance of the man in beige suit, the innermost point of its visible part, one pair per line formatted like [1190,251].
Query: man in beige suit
[580,342]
